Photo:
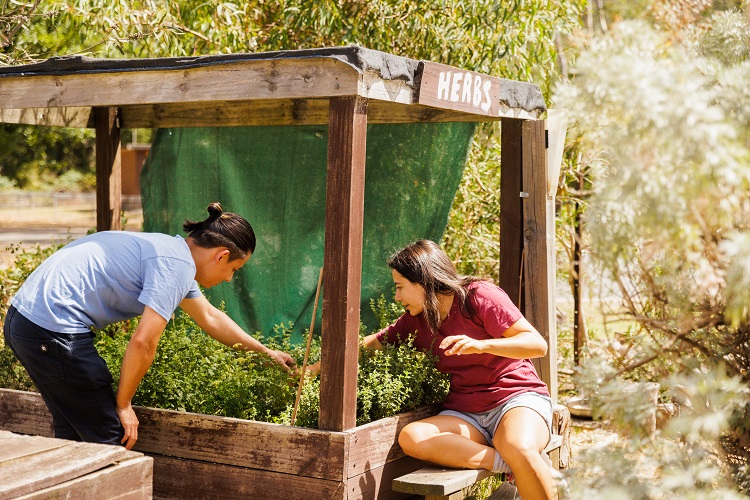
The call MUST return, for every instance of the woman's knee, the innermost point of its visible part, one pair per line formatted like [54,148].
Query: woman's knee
[520,453]
[412,436]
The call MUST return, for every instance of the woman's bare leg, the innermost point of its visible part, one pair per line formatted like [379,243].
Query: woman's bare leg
[520,439]
[448,441]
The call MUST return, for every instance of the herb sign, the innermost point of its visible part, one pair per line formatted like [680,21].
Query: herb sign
[444,87]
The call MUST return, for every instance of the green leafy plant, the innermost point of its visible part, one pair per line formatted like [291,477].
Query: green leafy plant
[12,374]
[193,372]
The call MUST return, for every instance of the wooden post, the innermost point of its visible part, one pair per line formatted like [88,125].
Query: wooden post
[539,242]
[108,169]
[511,211]
[345,193]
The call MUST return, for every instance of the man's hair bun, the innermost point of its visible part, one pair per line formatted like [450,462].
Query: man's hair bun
[215,210]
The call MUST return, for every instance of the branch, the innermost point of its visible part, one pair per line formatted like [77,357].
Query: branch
[22,20]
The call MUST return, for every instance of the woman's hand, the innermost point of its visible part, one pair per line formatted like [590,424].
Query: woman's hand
[130,424]
[461,344]
[313,369]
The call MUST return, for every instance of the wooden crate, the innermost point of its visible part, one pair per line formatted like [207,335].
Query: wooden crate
[204,456]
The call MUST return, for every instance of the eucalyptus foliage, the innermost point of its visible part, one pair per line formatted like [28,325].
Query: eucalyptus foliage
[669,222]
[512,39]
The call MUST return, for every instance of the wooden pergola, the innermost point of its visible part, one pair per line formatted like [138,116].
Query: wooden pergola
[346,88]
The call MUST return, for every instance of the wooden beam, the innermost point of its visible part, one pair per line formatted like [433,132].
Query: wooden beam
[262,112]
[258,112]
[108,170]
[345,189]
[539,244]
[511,209]
[255,79]
[76,117]
[187,478]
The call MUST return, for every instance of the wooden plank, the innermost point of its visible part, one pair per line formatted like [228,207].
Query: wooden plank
[44,469]
[108,170]
[181,478]
[439,481]
[204,437]
[345,189]
[448,87]
[130,479]
[247,443]
[262,112]
[25,413]
[377,482]
[376,443]
[258,112]
[14,446]
[298,78]
[539,242]
[77,117]
[511,209]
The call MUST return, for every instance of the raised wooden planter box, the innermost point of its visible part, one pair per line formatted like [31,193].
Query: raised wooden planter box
[204,456]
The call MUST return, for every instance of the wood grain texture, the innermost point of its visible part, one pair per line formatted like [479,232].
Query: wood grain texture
[24,413]
[345,190]
[230,81]
[511,209]
[54,466]
[184,478]
[378,482]
[539,242]
[75,117]
[439,481]
[108,170]
[129,479]
[247,443]
[205,453]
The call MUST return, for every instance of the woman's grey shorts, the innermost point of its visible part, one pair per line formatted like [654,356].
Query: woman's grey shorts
[487,422]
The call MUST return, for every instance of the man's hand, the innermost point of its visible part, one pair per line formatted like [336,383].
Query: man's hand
[130,423]
[283,359]
[461,344]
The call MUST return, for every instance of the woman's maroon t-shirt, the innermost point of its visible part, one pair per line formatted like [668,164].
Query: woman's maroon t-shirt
[479,382]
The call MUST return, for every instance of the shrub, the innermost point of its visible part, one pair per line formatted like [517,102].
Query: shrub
[193,372]
[12,374]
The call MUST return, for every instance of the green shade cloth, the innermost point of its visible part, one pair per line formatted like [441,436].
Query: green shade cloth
[275,177]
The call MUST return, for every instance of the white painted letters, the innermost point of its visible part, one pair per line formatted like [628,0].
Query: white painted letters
[477,91]
[487,101]
[464,88]
[455,86]
[466,94]
[443,83]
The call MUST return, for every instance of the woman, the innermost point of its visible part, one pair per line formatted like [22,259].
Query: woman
[497,411]
[111,276]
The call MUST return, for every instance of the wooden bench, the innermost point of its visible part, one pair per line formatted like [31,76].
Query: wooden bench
[437,483]
[36,467]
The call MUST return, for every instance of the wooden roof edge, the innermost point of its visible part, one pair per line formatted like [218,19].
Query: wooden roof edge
[381,76]
[387,66]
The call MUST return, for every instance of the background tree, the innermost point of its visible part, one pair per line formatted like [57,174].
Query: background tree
[513,39]
[670,225]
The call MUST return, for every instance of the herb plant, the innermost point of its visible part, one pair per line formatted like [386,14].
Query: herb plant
[193,372]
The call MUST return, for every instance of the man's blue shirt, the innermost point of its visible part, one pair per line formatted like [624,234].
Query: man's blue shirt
[107,277]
